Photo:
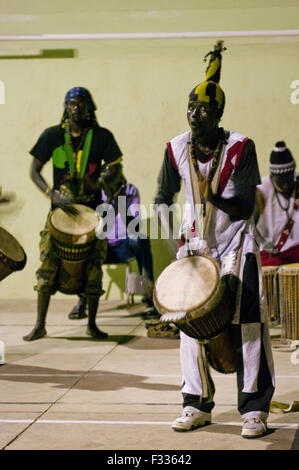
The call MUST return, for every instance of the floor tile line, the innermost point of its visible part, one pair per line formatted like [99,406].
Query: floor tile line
[95,373]
[154,423]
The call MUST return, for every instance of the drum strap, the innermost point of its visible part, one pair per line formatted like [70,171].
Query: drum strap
[285,234]
[84,155]
[204,210]
[202,366]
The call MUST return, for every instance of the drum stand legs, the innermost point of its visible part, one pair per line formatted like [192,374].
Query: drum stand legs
[39,329]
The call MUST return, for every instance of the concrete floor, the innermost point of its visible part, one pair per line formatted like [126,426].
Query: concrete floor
[68,391]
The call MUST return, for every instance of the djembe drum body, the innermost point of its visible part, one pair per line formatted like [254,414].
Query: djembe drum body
[12,256]
[192,293]
[271,293]
[288,278]
[73,239]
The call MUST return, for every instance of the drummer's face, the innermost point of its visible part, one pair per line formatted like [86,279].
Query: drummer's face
[77,109]
[284,184]
[202,117]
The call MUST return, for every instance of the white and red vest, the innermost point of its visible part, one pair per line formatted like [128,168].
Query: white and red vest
[278,229]
[224,235]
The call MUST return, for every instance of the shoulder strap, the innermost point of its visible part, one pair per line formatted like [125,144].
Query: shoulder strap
[202,222]
[214,186]
[69,154]
[197,198]
[85,153]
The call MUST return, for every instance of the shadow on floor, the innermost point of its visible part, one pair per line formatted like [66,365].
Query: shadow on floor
[80,380]
[141,343]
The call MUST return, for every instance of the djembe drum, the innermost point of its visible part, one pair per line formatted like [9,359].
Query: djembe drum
[73,239]
[12,256]
[288,278]
[271,296]
[192,293]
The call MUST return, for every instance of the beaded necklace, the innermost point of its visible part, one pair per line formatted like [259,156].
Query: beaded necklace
[194,152]
[77,158]
[71,144]
[279,202]
[285,209]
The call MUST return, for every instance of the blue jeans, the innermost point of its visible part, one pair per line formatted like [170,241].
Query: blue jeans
[139,248]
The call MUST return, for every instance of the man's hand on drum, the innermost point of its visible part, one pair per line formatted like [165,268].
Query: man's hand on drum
[64,202]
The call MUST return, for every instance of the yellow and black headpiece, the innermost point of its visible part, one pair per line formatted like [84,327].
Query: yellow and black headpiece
[209,91]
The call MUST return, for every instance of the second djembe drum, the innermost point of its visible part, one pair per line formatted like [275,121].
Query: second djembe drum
[271,293]
[73,239]
[288,278]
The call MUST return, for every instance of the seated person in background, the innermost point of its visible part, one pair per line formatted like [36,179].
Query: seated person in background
[122,245]
[277,210]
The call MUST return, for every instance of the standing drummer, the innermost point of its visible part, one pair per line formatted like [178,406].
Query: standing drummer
[233,204]
[79,148]
[277,210]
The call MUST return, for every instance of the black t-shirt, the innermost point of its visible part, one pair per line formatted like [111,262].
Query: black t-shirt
[51,145]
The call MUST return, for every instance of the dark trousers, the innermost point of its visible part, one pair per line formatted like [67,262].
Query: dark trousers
[138,248]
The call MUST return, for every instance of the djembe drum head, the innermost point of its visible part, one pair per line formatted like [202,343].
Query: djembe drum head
[73,236]
[186,284]
[192,293]
[81,225]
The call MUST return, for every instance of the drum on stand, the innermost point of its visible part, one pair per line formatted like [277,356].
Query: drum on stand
[288,278]
[73,239]
[271,293]
[12,256]
[192,293]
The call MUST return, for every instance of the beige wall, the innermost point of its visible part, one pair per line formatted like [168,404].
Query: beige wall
[140,87]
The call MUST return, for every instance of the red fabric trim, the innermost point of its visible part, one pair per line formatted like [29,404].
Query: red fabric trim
[286,257]
[235,149]
[182,240]
[225,175]
[296,205]
[91,168]
[240,150]
[285,234]
[171,156]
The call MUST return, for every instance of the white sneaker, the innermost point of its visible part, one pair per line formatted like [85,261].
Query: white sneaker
[253,427]
[190,419]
